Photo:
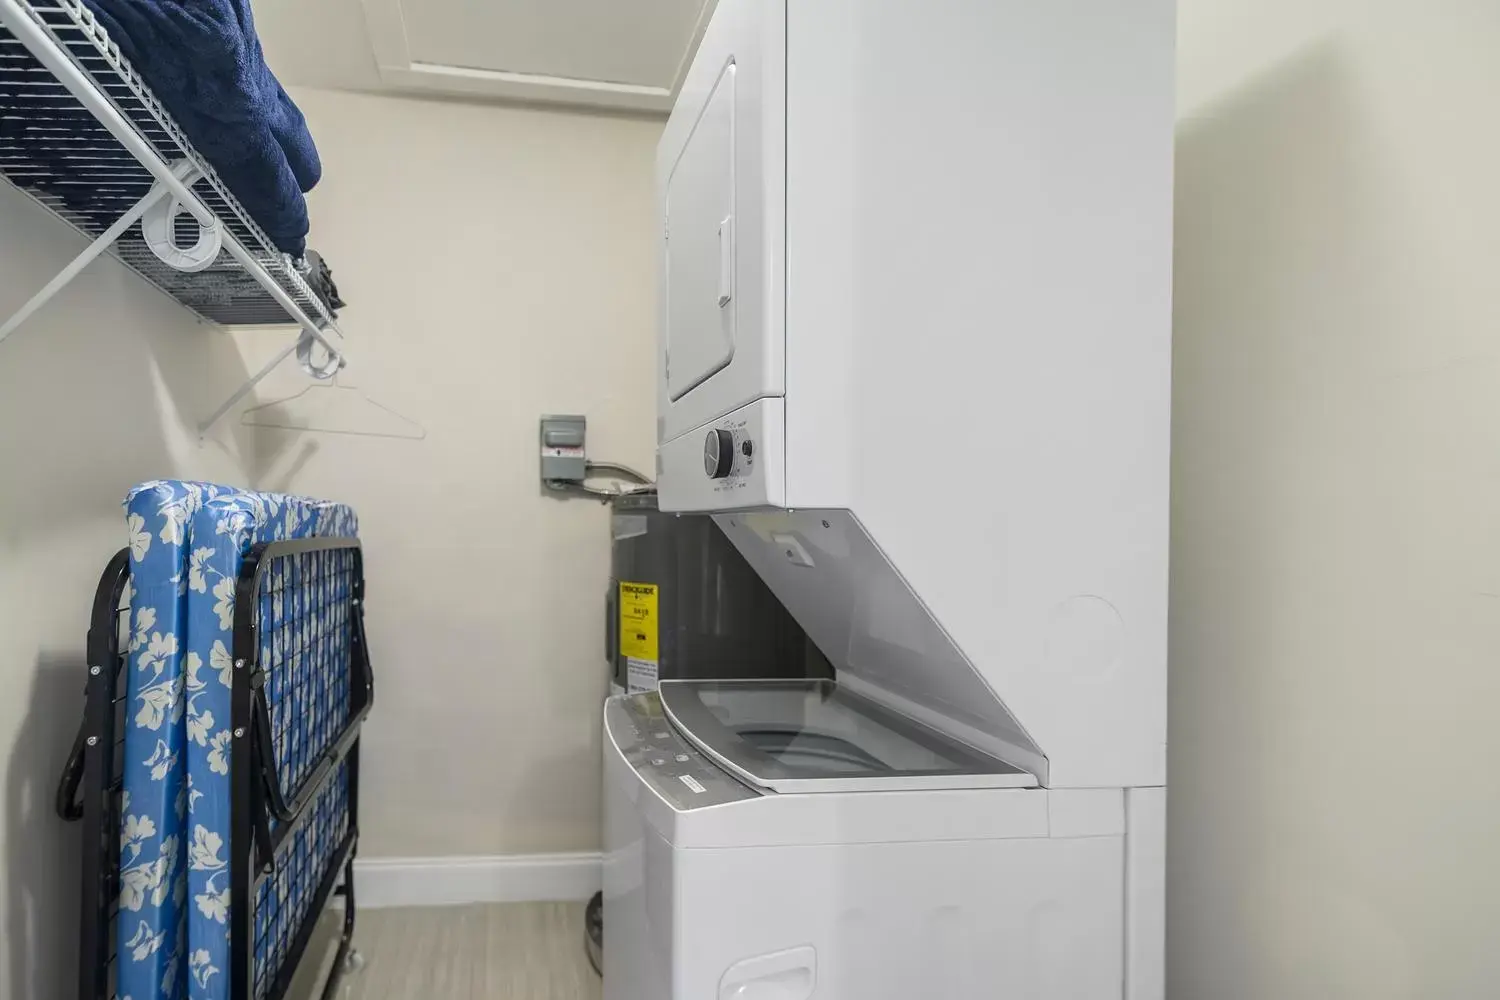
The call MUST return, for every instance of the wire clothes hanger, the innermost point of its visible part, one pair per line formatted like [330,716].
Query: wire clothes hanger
[334,407]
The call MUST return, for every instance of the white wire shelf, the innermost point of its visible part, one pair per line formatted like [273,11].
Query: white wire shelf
[57,147]
[82,135]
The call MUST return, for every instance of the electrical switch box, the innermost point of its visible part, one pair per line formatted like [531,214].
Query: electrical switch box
[563,457]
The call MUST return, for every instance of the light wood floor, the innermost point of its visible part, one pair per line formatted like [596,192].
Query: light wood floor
[521,951]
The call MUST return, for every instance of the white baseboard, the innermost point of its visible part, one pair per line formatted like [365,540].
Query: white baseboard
[452,881]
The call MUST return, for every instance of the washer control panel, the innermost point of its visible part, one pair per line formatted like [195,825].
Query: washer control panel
[676,770]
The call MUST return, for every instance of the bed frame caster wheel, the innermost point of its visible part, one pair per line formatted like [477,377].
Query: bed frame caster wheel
[353,962]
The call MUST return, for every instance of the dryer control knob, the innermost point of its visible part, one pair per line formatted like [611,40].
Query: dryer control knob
[718,454]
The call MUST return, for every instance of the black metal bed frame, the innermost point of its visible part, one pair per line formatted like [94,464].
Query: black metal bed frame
[95,764]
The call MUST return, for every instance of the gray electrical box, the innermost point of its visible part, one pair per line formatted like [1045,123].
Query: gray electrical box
[563,456]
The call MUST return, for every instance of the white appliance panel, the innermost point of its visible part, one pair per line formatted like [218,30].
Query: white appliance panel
[637,948]
[1145,893]
[960,920]
[721,171]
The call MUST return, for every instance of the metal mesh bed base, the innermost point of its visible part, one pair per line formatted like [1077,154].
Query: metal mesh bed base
[293,775]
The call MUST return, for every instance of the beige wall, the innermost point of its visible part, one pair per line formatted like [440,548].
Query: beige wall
[99,391]
[1335,805]
[499,263]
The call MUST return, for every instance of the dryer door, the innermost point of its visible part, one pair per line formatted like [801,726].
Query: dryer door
[720,312]
[701,302]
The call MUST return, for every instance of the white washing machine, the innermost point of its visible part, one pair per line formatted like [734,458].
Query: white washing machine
[784,840]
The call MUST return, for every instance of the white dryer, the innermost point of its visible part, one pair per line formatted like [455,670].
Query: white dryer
[785,840]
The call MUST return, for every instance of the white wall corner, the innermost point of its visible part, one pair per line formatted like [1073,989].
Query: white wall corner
[454,881]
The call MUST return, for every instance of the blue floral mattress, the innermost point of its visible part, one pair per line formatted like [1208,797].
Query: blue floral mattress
[187,542]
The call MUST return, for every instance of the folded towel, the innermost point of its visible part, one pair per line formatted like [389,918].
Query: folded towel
[203,60]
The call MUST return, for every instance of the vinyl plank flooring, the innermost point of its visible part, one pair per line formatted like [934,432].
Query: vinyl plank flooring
[521,951]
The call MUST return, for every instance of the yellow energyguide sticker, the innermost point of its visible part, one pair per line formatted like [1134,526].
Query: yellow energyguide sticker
[638,621]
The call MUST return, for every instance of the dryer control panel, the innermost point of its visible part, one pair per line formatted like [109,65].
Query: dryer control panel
[734,462]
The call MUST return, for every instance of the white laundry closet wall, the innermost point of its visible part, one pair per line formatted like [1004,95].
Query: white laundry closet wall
[499,265]
[101,389]
[1334,806]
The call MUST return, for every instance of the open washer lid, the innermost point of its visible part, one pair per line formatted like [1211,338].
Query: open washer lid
[813,736]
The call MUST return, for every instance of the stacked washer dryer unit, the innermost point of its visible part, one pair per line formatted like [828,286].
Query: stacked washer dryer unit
[915,329]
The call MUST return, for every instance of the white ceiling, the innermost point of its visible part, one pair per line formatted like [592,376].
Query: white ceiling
[627,54]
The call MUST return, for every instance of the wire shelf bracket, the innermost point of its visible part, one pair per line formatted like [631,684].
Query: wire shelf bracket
[146,132]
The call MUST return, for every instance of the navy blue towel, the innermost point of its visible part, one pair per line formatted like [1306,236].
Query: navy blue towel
[204,62]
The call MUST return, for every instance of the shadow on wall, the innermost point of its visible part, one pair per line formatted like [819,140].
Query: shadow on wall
[277,457]
[1295,465]
[101,387]
[42,852]
[100,390]
[1248,171]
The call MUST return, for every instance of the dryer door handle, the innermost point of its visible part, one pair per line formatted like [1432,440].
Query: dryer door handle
[781,975]
[726,261]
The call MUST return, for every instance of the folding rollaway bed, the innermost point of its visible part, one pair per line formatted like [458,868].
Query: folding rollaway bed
[216,774]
